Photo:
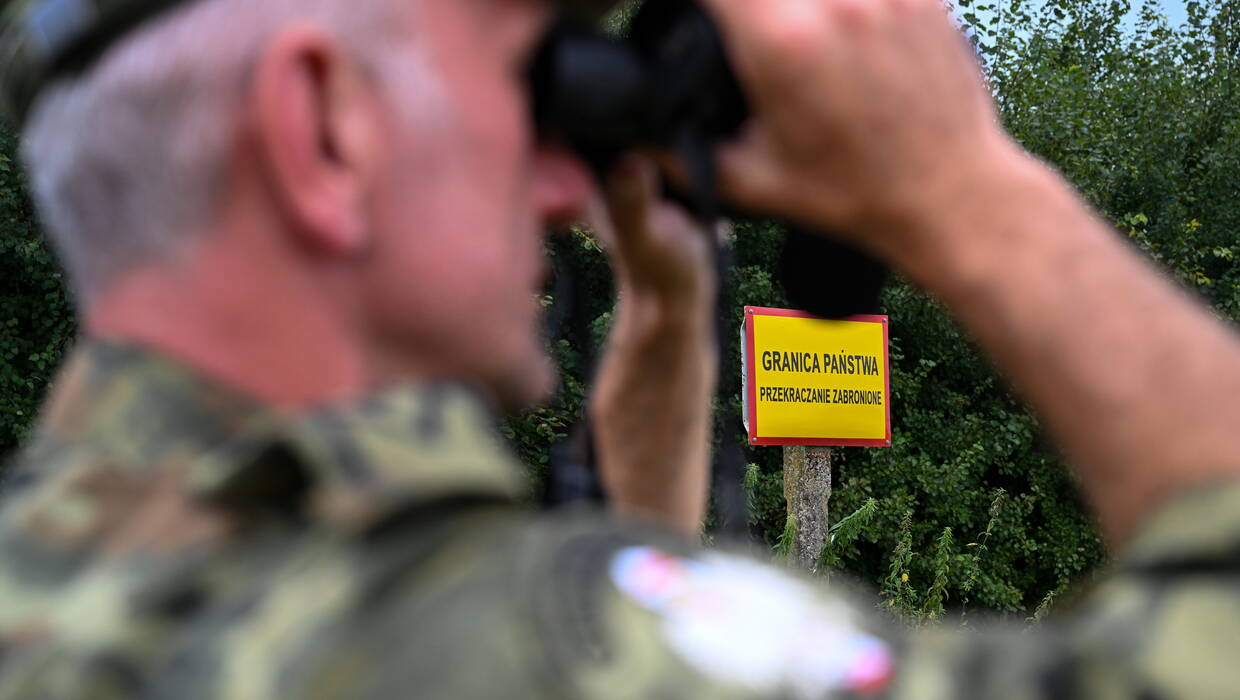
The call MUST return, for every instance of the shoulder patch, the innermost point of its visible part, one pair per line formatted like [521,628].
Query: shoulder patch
[749,624]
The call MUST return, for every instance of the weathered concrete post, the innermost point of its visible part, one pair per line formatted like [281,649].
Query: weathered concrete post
[807,489]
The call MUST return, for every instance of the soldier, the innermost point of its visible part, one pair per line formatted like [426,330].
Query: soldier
[299,229]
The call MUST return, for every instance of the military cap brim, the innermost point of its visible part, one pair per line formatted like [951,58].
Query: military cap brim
[41,40]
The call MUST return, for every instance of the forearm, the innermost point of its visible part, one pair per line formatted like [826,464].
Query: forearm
[1137,383]
[652,408]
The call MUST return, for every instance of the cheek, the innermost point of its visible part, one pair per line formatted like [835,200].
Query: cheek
[449,255]
[446,262]
[496,141]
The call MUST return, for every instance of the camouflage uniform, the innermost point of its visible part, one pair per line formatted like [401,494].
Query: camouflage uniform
[164,538]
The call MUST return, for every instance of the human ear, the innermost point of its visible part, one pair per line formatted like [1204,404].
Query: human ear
[314,117]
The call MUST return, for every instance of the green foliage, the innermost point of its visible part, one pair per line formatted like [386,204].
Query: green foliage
[978,550]
[617,21]
[1044,607]
[1145,121]
[787,538]
[897,587]
[843,533]
[918,587]
[765,492]
[35,323]
[942,565]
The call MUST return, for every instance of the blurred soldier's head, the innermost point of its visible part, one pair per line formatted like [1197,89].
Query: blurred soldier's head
[374,159]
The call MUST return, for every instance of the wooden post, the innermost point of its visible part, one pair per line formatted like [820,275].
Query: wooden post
[807,489]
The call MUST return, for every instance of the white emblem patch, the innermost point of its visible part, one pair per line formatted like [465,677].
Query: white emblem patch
[748,624]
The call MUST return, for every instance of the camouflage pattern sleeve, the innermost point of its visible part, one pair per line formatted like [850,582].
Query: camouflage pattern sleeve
[673,623]
[618,612]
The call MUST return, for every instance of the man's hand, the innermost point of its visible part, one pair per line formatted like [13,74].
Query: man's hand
[651,405]
[657,250]
[865,112]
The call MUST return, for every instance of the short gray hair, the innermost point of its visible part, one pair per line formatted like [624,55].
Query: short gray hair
[127,159]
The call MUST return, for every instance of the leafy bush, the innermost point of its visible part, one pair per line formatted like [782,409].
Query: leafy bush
[35,323]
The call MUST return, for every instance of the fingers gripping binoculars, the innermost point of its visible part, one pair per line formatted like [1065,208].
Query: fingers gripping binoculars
[669,86]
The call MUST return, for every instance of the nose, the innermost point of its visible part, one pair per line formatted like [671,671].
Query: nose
[563,185]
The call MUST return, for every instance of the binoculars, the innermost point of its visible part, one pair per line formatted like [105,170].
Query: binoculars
[669,85]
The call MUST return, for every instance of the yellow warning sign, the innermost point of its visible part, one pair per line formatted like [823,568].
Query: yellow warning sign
[814,382]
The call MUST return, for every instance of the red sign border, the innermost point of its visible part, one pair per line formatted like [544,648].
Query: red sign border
[751,382]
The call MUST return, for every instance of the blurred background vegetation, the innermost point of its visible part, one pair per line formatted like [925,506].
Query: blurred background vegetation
[970,510]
